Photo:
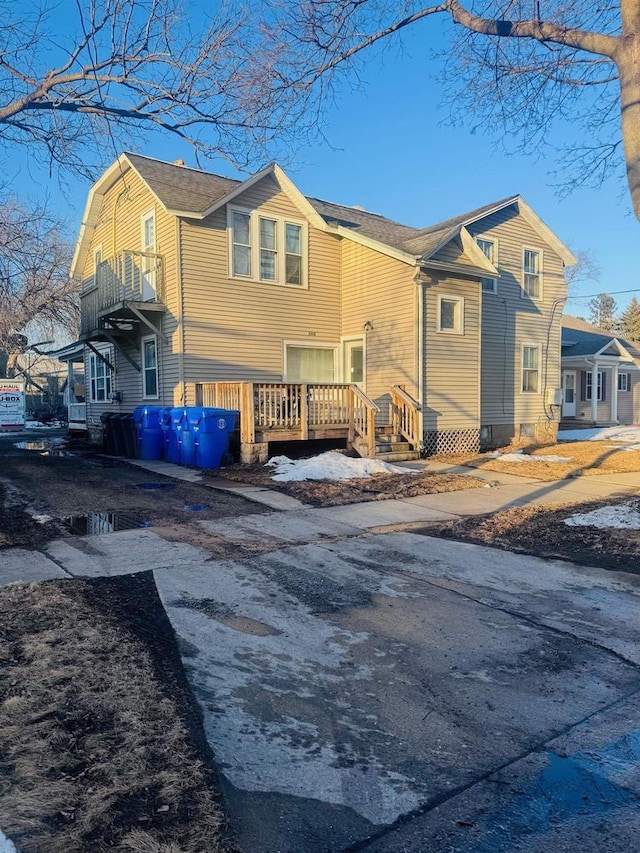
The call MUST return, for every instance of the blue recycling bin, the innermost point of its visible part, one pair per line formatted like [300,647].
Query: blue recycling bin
[149,431]
[212,438]
[190,434]
[178,420]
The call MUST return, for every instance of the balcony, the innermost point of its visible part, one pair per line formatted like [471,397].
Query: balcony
[124,289]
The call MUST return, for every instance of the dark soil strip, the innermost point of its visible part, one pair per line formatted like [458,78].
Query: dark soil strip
[101,741]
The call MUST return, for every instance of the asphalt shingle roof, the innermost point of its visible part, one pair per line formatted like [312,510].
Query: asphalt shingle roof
[182,188]
[581,338]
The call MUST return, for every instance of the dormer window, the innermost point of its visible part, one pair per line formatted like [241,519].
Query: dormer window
[266,248]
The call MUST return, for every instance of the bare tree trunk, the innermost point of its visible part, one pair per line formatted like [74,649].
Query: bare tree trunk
[627,58]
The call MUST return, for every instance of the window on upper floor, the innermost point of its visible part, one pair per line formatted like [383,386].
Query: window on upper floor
[100,377]
[532,273]
[490,250]
[530,368]
[451,315]
[266,248]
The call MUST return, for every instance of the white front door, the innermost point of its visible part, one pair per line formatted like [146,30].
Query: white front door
[568,393]
[354,362]
[148,264]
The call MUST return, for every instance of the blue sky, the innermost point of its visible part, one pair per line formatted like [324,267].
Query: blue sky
[388,149]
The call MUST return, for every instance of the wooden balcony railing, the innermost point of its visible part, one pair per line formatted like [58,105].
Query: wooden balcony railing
[129,276]
[271,410]
[405,416]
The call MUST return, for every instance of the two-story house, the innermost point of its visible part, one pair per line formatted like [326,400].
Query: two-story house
[316,319]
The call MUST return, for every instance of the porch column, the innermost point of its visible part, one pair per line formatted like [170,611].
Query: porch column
[71,397]
[614,392]
[594,392]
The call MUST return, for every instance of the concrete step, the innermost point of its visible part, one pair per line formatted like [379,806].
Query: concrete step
[398,455]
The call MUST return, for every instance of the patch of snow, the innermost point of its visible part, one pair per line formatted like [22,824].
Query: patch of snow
[617,434]
[6,846]
[330,466]
[41,425]
[620,516]
[519,456]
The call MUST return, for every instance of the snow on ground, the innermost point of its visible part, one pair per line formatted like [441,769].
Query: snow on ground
[6,846]
[42,425]
[519,456]
[330,466]
[620,516]
[617,434]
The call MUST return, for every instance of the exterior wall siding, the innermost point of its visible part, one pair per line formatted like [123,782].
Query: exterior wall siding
[380,290]
[235,329]
[511,319]
[451,361]
[118,229]
[628,401]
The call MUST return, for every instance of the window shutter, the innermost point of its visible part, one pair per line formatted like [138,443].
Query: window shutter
[604,386]
[583,385]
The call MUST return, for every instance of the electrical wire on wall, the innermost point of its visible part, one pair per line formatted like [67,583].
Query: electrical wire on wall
[548,409]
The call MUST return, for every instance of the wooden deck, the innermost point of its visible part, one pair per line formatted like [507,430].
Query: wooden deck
[286,411]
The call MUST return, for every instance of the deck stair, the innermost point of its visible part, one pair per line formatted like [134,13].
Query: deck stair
[393,447]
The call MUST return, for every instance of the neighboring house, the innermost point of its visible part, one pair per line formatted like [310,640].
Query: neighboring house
[593,358]
[199,288]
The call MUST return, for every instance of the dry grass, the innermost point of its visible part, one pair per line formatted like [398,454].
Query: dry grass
[588,458]
[336,493]
[541,531]
[97,753]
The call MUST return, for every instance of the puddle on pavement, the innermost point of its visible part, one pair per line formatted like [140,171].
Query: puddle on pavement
[44,446]
[96,523]
[196,507]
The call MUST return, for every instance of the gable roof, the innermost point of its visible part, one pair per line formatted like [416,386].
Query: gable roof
[192,193]
[580,338]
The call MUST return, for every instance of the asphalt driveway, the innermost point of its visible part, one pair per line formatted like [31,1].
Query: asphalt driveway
[355,691]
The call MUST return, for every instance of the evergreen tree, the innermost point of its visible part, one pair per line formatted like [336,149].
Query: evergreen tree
[630,321]
[603,312]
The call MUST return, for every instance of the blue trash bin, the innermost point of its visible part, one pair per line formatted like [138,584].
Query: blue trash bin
[169,437]
[214,432]
[179,425]
[193,416]
[149,431]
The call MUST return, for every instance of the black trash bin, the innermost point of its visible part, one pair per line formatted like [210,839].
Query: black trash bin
[119,447]
[108,440]
[129,436]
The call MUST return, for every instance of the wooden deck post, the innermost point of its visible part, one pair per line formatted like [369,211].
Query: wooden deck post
[371,433]
[247,414]
[304,411]
[351,435]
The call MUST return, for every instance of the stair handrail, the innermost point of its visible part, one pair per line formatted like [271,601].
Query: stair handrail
[404,415]
[362,419]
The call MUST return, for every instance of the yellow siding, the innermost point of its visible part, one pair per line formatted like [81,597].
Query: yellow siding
[117,229]
[452,370]
[235,329]
[510,320]
[381,290]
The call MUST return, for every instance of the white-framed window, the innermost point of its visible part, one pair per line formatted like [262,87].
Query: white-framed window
[100,377]
[97,257]
[532,273]
[623,382]
[266,248]
[148,264]
[490,250]
[451,314]
[530,383]
[315,363]
[588,388]
[150,367]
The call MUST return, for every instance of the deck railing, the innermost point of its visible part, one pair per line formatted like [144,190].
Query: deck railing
[77,415]
[405,416]
[268,408]
[128,276]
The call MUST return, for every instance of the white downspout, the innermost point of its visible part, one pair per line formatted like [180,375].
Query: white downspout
[421,356]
